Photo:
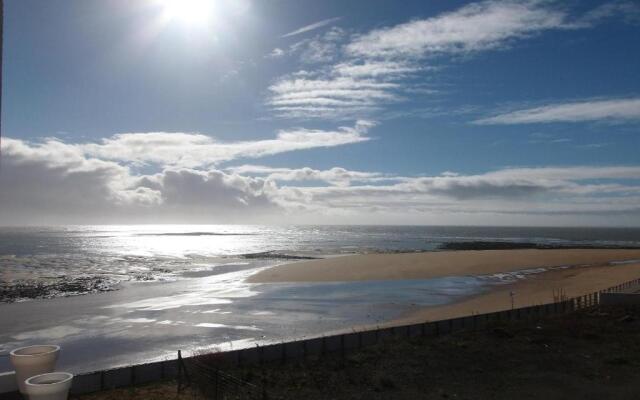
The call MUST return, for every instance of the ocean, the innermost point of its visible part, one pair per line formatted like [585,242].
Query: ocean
[129,294]
[157,252]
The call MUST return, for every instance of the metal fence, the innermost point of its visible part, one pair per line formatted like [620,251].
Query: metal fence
[204,379]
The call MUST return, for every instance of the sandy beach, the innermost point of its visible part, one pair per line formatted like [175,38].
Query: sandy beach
[430,265]
[588,270]
[536,289]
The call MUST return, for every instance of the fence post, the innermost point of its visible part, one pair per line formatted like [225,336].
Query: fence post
[215,387]
[261,355]
[284,352]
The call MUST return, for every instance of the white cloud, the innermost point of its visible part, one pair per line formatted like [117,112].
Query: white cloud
[378,68]
[55,182]
[211,190]
[276,53]
[334,176]
[322,48]
[311,27]
[194,150]
[523,191]
[588,110]
[341,97]
[374,66]
[475,27]
[571,173]
[394,54]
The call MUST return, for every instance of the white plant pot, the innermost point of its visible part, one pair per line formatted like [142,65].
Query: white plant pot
[49,386]
[33,360]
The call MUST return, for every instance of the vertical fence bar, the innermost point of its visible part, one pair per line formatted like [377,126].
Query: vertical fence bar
[284,352]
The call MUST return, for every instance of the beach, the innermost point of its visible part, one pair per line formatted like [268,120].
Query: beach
[197,288]
[429,265]
[539,275]
[536,289]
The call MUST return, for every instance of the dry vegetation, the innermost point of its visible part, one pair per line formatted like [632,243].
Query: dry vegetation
[587,355]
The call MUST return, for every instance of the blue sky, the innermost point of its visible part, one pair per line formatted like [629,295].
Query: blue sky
[492,112]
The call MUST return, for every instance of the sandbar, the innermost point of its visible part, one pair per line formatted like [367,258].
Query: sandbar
[428,265]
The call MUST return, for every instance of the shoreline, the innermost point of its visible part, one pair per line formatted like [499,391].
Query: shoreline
[573,272]
[537,289]
[534,290]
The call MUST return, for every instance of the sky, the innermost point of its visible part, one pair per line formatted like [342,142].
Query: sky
[333,112]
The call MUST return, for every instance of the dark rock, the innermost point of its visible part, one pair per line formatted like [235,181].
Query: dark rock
[499,245]
[272,255]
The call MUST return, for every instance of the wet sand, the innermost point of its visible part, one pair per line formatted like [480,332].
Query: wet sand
[588,270]
[435,264]
[536,289]
[149,321]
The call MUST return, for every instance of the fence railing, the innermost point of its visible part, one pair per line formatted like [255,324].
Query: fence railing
[205,379]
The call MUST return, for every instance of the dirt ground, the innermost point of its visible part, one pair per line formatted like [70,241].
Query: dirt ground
[591,354]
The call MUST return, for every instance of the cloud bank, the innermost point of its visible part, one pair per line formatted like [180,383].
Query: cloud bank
[58,183]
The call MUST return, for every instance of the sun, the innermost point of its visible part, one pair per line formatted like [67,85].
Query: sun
[192,12]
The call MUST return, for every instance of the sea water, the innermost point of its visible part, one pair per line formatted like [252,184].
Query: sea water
[172,287]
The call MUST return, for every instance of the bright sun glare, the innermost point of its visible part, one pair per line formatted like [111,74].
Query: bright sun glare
[188,11]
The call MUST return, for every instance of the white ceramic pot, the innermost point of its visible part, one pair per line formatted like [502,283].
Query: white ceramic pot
[33,360]
[49,386]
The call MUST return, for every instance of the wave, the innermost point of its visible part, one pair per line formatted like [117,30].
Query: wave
[195,234]
[273,255]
